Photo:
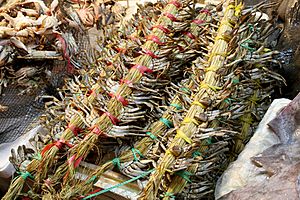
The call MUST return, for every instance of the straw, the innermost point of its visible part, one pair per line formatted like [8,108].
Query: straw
[40,167]
[159,127]
[114,107]
[210,83]
[17,185]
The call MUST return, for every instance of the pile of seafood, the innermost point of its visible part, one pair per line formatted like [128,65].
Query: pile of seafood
[42,39]
[170,96]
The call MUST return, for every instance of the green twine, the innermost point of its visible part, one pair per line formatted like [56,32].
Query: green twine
[185,175]
[116,162]
[153,137]
[228,100]
[209,141]
[38,156]
[245,45]
[167,122]
[25,175]
[185,90]
[169,194]
[177,106]
[118,185]
[196,154]
[136,151]
[92,179]
[235,81]
[251,27]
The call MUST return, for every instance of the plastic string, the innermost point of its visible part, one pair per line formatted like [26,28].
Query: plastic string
[151,135]
[183,136]
[142,69]
[167,122]
[118,185]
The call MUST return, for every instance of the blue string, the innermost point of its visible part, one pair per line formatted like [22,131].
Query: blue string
[117,162]
[177,106]
[136,151]
[118,185]
[196,153]
[169,194]
[25,175]
[167,122]
[151,135]
[185,175]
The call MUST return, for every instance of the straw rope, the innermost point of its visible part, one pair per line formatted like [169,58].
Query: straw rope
[158,128]
[114,107]
[40,167]
[216,59]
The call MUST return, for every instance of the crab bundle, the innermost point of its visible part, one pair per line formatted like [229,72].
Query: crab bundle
[170,97]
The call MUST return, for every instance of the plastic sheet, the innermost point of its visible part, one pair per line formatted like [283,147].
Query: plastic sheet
[242,171]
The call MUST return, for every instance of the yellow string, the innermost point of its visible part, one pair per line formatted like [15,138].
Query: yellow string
[230,7]
[218,54]
[211,68]
[238,9]
[220,37]
[197,103]
[226,23]
[207,86]
[189,120]
[183,136]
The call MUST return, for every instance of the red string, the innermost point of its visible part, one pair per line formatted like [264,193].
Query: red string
[112,118]
[189,34]
[206,11]
[162,28]
[75,162]
[121,50]
[154,39]
[142,69]
[75,130]
[70,68]
[119,98]
[96,130]
[171,17]
[198,21]
[59,144]
[175,3]
[149,53]
[127,82]
[180,48]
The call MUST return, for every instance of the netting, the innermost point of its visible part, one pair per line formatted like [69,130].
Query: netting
[21,111]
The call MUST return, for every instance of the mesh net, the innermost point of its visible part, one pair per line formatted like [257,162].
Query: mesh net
[21,111]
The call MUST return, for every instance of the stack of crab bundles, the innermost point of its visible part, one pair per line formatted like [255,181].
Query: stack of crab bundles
[166,100]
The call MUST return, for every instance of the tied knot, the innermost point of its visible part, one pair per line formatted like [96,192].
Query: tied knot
[60,143]
[75,130]
[142,69]
[171,17]
[155,39]
[176,3]
[205,11]
[25,175]
[112,118]
[199,21]
[162,28]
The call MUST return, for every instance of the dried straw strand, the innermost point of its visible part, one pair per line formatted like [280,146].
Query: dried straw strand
[185,132]
[158,127]
[114,107]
